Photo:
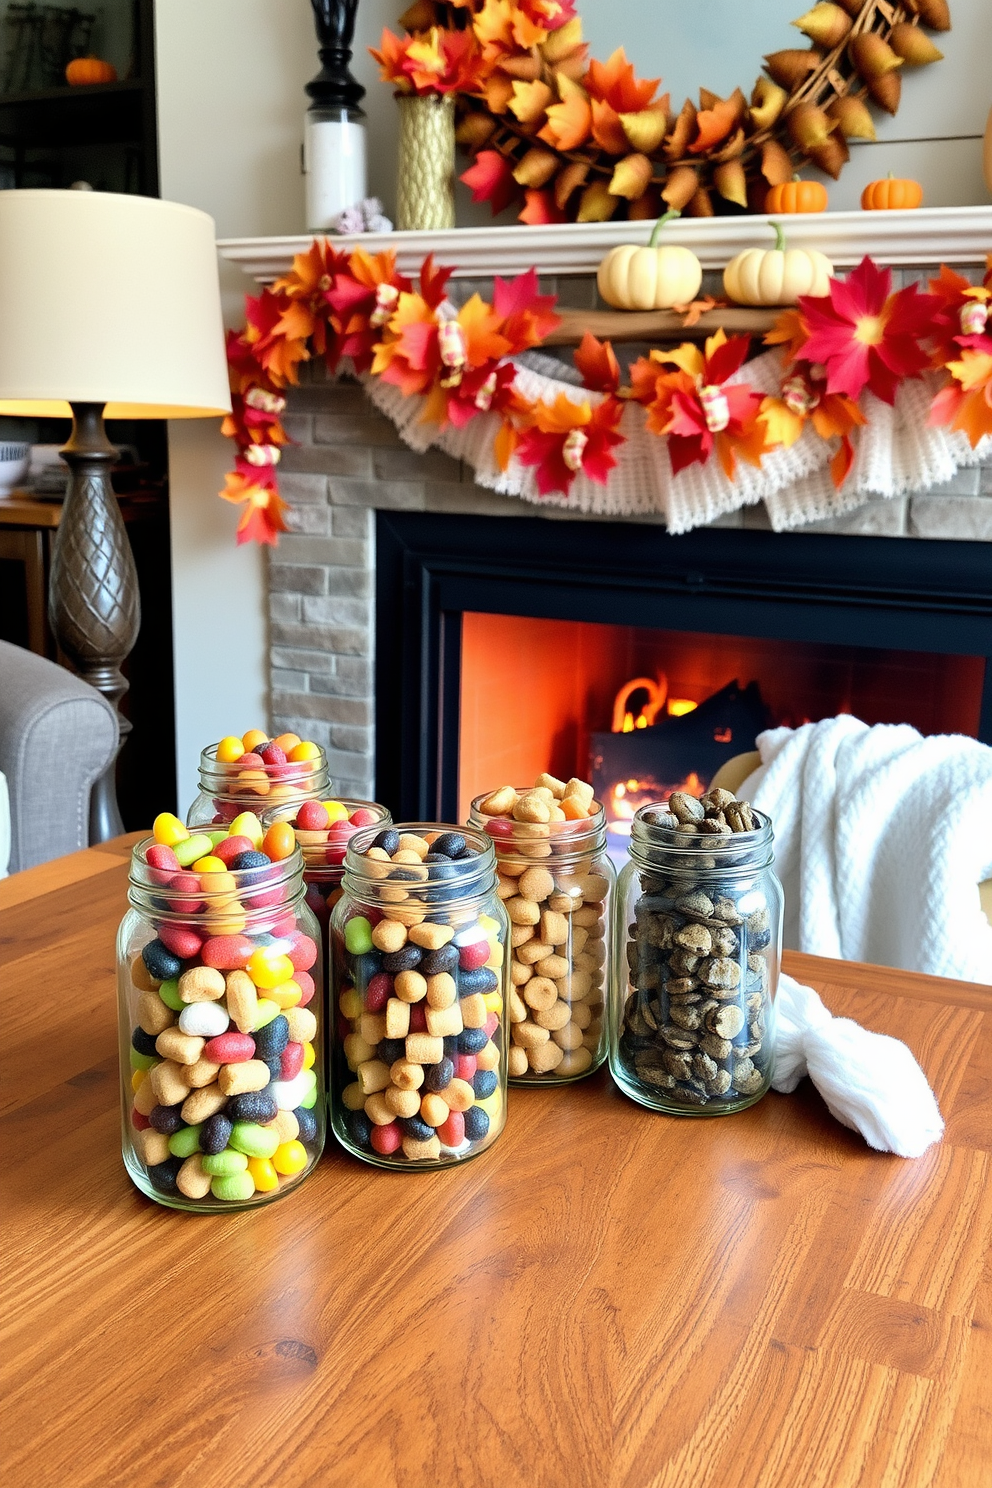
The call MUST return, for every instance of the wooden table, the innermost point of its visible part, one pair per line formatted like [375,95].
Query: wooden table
[608,1298]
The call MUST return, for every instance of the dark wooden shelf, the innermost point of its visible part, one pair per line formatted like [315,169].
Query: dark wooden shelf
[96,114]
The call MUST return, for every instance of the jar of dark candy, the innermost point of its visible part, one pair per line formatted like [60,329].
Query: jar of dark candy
[220,987]
[419,967]
[697,949]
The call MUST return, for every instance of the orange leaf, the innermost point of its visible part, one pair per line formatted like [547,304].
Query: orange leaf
[505,443]
[790,331]
[716,123]
[570,121]
[614,82]
[597,362]
[540,209]
[678,140]
[607,130]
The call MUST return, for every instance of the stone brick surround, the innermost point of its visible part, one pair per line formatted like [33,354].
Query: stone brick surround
[348,461]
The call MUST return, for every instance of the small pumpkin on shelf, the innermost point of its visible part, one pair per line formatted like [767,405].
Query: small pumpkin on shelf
[797,196]
[893,194]
[777,276]
[652,278]
[82,71]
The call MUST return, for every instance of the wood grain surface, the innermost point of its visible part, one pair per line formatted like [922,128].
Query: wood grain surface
[659,325]
[609,1297]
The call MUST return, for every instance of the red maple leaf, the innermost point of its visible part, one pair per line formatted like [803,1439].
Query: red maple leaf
[597,362]
[566,438]
[865,336]
[528,317]
[490,178]
[698,411]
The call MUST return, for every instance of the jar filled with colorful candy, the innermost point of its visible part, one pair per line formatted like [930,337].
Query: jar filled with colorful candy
[322,831]
[697,956]
[254,773]
[419,968]
[555,880]
[220,985]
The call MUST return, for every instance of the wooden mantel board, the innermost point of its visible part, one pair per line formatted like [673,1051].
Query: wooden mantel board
[929,235]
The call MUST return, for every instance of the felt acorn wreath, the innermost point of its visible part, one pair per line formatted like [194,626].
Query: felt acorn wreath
[574,139]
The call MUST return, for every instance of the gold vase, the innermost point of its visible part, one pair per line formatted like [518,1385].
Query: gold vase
[426,189]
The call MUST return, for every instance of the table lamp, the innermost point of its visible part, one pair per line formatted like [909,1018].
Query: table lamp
[109,307]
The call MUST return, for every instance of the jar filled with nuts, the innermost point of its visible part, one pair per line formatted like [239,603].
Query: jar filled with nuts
[220,984]
[419,964]
[555,881]
[697,947]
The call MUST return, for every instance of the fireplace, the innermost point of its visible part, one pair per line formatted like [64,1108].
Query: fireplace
[502,643]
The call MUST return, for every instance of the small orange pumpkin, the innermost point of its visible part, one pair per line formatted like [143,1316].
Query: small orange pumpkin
[891,194]
[797,196]
[83,70]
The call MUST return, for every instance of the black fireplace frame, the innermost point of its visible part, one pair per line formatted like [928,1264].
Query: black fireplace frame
[913,595]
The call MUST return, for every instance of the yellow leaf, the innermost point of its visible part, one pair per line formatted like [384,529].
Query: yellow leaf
[974,369]
[631,177]
[646,130]
[688,357]
[782,425]
[530,101]
[597,204]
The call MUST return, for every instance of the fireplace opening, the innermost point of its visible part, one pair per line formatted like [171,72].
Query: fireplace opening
[646,711]
[507,646]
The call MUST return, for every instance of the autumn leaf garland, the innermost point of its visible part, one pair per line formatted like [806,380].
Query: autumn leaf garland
[356,309]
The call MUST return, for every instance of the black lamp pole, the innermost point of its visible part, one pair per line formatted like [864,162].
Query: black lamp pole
[334,86]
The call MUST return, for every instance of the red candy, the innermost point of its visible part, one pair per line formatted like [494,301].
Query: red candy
[492,1023]
[312,817]
[159,856]
[386,1139]
[232,847]
[292,1061]
[230,1048]
[380,990]
[186,885]
[465,1066]
[227,952]
[305,982]
[363,817]
[139,1122]
[271,754]
[250,761]
[181,942]
[284,925]
[302,952]
[452,1132]
[471,957]
[418,1017]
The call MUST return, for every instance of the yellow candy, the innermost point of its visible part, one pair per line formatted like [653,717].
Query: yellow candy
[253,739]
[265,1176]
[168,829]
[490,926]
[287,994]
[268,970]
[219,882]
[137,1078]
[336,810]
[210,864]
[304,751]
[351,1004]
[491,1105]
[229,749]
[290,1158]
[494,1002]
[248,825]
[309,1056]
[496,959]
[231,920]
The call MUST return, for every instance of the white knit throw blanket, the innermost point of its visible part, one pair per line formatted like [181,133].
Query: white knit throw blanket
[869,1081]
[896,452]
[881,840]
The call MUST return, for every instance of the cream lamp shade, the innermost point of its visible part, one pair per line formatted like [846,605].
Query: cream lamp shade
[109,299]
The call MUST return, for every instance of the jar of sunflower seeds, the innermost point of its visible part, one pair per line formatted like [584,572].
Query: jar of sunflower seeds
[697,949]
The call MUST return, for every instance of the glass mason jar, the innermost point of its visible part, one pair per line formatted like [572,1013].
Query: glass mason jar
[556,883]
[220,1018]
[696,956]
[419,967]
[228,790]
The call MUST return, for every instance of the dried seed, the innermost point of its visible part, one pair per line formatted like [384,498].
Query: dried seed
[677,1038]
[696,904]
[694,938]
[720,973]
[686,808]
[684,1017]
[716,1048]
[725,1022]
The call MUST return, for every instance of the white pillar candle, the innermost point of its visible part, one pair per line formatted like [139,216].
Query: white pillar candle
[333,164]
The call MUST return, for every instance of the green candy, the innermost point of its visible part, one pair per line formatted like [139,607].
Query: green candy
[224,1164]
[310,1099]
[217,835]
[358,936]
[256,1141]
[234,1189]
[185,1142]
[266,1011]
[194,847]
[143,1061]
[169,993]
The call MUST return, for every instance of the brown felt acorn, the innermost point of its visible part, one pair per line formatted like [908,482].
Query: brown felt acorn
[731,182]
[826,24]
[853,117]
[853,7]
[832,155]
[933,13]
[876,62]
[475,130]
[680,187]
[776,164]
[790,67]
[598,203]
[913,46]
[701,205]
[536,168]
[569,180]
[809,126]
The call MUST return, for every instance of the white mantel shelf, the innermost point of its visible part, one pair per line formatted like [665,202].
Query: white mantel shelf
[929,235]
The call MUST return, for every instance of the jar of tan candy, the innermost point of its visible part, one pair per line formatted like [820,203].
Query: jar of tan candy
[696,962]
[419,965]
[555,881]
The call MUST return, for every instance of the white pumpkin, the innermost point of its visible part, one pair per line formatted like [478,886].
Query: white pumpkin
[651,278]
[776,276]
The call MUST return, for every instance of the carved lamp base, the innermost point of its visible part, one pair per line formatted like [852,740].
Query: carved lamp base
[93,604]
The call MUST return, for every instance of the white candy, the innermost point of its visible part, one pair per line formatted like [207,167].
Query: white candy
[472,935]
[207,1019]
[291,1093]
